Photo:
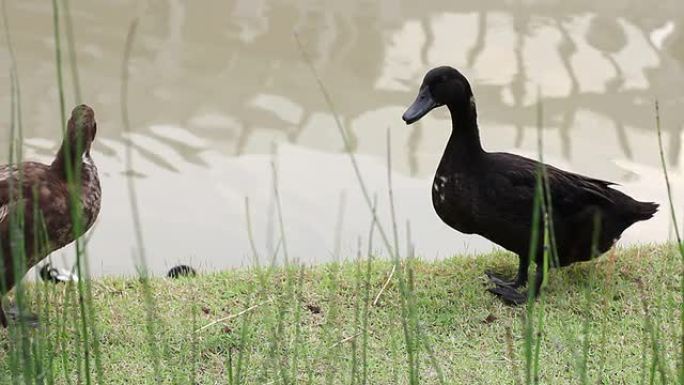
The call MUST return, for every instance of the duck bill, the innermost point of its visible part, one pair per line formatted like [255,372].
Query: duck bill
[423,104]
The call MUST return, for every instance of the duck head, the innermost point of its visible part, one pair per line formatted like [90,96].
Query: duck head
[441,86]
[81,130]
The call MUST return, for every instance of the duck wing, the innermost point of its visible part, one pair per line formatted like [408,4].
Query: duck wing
[16,187]
[6,174]
[570,192]
[21,192]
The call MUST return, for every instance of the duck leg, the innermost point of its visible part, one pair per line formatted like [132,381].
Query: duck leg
[520,279]
[512,296]
[3,318]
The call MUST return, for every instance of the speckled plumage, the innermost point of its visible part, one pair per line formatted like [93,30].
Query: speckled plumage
[31,191]
[492,194]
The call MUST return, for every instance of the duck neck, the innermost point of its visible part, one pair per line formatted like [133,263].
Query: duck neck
[464,145]
[60,164]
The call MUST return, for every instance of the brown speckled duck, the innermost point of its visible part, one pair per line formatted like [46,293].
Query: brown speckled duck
[31,190]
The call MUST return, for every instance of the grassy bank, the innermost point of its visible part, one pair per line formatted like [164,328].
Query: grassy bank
[305,325]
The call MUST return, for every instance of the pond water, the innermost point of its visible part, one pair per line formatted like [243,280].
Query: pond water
[219,93]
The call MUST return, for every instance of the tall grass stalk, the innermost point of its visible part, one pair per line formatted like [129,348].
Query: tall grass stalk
[531,367]
[407,311]
[279,211]
[547,244]
[250,236]
[21,364]
[16,127]
[16,229]
[659,363]
[678,237]
[423,336]
[19,359]
[62,337]
[434,361]
[390,193]
[358,299]
[409,320]
[82,265]
[339,225]
[73,62]
[73,174]
[586,328]
[243,355]
[58,63]
[45,344]
[152,319]
[296,298]
[367,298]
[276,366]
[331,330]
[195,348]
[345,138]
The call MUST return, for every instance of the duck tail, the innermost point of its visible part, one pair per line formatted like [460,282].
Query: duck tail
[645,210]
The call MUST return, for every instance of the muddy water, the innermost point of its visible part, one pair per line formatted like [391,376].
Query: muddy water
[219,93]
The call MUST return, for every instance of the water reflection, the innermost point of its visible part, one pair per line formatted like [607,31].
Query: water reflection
[215,88]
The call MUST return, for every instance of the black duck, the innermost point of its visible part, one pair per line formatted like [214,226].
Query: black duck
[179,271]
[492,193]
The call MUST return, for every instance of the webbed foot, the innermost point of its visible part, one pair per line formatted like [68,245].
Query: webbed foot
[499,280]
[509,295]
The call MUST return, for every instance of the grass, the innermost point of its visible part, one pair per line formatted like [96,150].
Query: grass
[303,324]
